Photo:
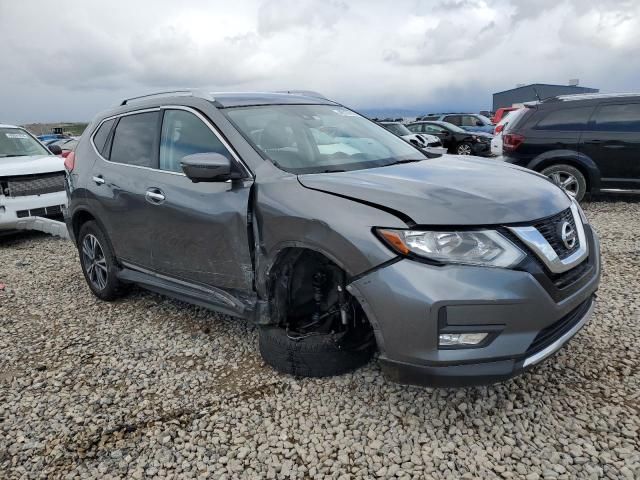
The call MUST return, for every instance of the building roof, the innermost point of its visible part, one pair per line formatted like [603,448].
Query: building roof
[576,87]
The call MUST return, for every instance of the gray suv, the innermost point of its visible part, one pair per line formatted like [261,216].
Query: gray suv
[336,237]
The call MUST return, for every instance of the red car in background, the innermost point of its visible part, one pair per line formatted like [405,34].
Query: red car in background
[500,114]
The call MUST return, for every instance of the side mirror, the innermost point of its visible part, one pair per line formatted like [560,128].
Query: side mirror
[479,123]
[55,149]
[207,167]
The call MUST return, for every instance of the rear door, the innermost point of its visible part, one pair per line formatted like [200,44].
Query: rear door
[612,140]
[199,230]
[128,153]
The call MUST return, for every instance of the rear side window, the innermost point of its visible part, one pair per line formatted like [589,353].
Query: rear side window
[183,133]
[617,118]
[455,119]
[134,140]
[565,119]
[101,135]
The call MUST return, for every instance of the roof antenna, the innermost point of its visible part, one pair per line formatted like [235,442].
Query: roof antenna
[536,92]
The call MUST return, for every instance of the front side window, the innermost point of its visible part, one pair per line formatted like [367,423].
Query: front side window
[183,133]
[417,128]
[454,119]
[433,129]
[397,128]
[618,118]
[134,140]
[319,138]
[16,142]
[568,119]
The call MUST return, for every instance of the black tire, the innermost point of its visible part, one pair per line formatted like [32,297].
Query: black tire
[102,281]
[568,178]
[464,149]
[315,355]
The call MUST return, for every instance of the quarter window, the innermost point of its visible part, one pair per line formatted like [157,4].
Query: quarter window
[618,118]
[568,119]
[134,140]
[100,138]
[183,133]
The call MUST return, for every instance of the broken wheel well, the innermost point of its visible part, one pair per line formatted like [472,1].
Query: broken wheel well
[307,294]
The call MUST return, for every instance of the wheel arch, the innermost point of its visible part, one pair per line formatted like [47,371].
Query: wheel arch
[569,157]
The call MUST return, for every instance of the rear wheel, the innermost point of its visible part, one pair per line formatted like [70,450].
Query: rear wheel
[569,178]
[98,262]
[319,329]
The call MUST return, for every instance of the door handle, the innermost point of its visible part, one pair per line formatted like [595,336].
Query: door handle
[98,179]
[154,196]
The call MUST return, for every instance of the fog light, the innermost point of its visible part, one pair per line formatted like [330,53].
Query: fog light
[461,339]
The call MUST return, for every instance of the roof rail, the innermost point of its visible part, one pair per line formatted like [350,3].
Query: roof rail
[588,96]
[306,93]
[185,92]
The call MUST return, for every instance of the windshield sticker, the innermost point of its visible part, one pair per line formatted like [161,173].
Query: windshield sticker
[344,112]
[17,135]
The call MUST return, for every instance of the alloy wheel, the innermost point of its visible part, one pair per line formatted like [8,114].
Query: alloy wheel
[566,181]
[464,149]
[94,262]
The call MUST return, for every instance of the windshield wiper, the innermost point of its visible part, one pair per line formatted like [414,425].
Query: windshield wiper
[398,162]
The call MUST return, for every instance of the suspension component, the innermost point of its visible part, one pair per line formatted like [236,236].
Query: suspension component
[319,279]
[343,304]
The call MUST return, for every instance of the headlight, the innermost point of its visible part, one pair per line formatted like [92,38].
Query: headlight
[481,247]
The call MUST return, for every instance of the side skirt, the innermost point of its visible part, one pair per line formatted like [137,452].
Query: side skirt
[207,297]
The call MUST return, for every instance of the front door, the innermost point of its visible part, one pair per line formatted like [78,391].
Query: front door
[612,140]
[199,230]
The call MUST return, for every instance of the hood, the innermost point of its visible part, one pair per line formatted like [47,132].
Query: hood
[449,190]
[11,166]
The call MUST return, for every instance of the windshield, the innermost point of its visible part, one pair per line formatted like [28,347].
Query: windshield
[397,128]
[319,138]
[15,142]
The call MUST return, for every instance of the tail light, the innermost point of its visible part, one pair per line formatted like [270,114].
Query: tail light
[511,141]
[70,162]
[498,129]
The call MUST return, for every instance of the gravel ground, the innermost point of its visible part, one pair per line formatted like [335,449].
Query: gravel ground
[147,386]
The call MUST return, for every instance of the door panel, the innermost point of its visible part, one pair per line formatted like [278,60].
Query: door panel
[199,229]
[612,140]
[117,187]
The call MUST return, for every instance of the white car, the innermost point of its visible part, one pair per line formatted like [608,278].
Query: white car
[31,183]
[424,141]
[496,142]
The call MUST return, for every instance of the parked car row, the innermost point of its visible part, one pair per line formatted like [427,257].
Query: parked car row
[455,139]
[424,141]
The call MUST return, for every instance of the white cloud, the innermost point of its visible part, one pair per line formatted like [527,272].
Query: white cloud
[68,60]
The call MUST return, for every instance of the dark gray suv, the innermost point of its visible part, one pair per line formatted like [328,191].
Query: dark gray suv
[337,238]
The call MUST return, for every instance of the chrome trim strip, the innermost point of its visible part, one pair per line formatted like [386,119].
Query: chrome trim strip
[555,346]
[536,242]
[620,190]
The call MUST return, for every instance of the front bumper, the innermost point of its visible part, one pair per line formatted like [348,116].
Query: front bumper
[14,211]
[408,301]
[481,148]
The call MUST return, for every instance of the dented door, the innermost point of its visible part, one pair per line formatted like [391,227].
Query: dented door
[199,231]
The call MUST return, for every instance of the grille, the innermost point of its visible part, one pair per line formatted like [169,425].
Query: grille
[554,331]
[550,230]
[53,211]
[35,184]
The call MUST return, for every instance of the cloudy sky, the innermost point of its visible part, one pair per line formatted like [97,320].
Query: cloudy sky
[65,61]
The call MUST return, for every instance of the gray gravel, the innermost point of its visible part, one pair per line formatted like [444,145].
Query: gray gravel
[147,386]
